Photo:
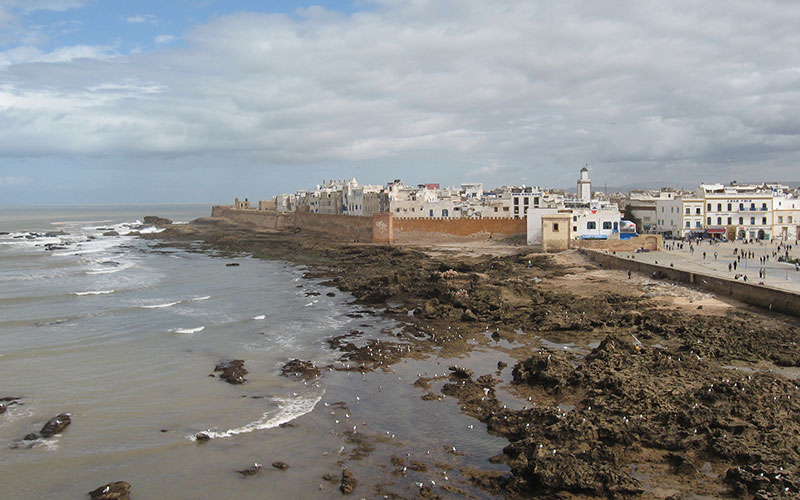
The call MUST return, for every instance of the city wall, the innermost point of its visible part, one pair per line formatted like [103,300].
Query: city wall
[652,242]
[433,230]
[378,228]
[348,227]
[266,219]
[767,297]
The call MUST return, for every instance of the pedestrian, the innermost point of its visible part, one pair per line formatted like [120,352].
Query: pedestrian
[715,255]
[629,274]
[734,265]
[704,256]
[729,267]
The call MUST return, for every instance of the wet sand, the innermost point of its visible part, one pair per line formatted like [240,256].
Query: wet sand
[595,384]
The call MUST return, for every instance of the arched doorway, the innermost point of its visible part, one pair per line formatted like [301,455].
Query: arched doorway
[760,234]
[741,234]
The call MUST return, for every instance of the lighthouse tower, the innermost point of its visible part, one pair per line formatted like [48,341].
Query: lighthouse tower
[585,186]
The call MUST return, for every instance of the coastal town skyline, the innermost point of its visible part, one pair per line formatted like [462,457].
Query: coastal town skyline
[199,101]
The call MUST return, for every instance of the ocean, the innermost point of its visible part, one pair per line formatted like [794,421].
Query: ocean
[122,333]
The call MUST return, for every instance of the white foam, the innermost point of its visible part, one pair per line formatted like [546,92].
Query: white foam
[288,410]
[188,330]
[206,297]
[111,270]
[260,316]
[160,306]
[95,292]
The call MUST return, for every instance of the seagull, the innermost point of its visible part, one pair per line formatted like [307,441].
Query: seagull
[106,489]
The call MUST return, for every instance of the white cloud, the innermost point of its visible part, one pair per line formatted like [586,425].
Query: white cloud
[10,180]
[142,19]
[656,90]
[164,39]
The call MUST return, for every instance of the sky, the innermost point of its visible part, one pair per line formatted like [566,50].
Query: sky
[106,101]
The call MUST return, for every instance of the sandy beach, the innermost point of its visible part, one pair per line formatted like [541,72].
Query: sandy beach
[601,385]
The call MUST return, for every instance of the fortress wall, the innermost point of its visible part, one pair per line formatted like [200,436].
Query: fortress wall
[767,297]
[430,230]
[267,219]
[348,227]
[651,242]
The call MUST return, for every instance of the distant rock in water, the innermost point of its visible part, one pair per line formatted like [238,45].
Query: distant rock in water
[111,233]
[118,490]
[157,221]
[233,371]
[56,425]
[202,437]
[7,401]
[53,234]
[349,482]
[232,264]
[298,367]
[280,465]
[252,470]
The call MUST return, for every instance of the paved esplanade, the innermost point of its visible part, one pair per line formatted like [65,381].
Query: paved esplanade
[690,258]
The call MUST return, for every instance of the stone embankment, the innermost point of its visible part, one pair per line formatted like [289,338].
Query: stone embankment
[773,299]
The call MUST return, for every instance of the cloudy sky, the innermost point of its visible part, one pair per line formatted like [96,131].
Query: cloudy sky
[201,100]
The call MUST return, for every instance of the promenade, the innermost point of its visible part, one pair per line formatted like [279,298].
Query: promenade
[719,255]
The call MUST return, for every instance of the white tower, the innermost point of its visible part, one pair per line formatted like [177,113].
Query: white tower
[585,186]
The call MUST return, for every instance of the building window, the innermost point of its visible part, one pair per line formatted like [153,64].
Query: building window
[574,218]
[688,224]
[741,206]
[789,219]
[516,200]
[752,206]
[741,220]
[780,219]
[708,220]
[591,225]
[752,221]
[607,225]
[764,220]
[697,211]
[555,227]
[431,213]
[719,207]
[495,209]
[729,207]
[697,224]
[575,229]
[672,210]
[763,206]
[730,220]
[719,221]
[688,211]
[708,207]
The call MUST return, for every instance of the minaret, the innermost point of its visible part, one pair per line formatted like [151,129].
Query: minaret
[585,186]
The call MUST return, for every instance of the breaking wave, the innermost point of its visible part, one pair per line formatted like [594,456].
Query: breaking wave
[161,306]
[95,292]
[288,410]
[188,330]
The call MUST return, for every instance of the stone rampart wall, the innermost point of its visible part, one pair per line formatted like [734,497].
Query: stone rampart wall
[266,219]
[771,298]
[430,230]
[651,242]
[347,227]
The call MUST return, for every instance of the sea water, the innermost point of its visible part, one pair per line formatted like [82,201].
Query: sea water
[123,333]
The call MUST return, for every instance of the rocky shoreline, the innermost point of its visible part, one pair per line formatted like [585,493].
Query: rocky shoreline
[635,388]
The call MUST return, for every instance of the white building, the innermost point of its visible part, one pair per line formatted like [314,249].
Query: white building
[738,211]
[598,221]
[680,217]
